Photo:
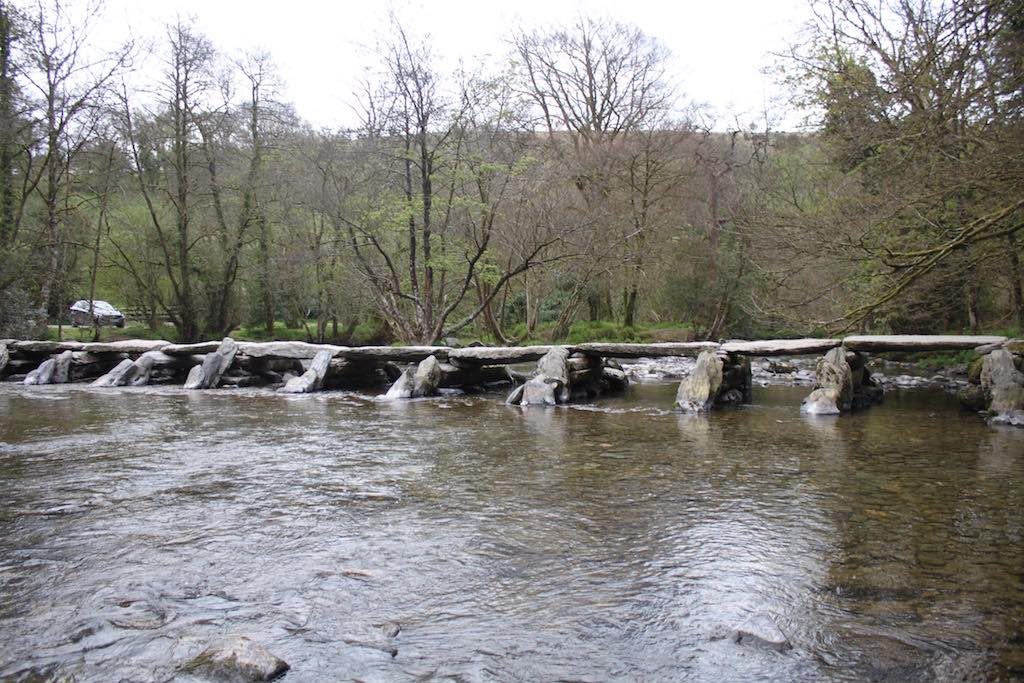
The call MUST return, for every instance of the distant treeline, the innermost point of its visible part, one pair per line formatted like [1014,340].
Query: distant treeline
[560,184]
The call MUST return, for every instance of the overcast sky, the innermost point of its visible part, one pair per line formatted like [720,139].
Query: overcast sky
[720,49]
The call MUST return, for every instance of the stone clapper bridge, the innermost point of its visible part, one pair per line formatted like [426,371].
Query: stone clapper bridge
[564,373]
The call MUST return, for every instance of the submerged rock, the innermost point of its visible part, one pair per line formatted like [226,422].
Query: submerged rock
[761,630]
[237,659]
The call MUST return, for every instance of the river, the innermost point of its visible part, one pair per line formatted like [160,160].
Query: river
[612,541]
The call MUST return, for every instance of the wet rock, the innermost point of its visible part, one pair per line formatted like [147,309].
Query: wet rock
[5,357]
[43,374]
[237,659]
[119,376]
[427,378]
[777,367]
[697,393]
[833,391]
[550,383]
[402,387]
[61,368]
[973,397]
[313,378]
[761,630]
[134,373]
[516,396]
[1004,384]
[539,391]
[194,380]
[214,365]
[418,382]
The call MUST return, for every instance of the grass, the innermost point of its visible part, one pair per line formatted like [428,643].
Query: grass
[364,333]
[603,331]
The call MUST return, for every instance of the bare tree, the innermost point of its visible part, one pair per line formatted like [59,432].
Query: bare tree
[69,84]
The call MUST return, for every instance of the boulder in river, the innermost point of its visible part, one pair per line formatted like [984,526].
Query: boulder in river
[214,365]
[698,391]
[833,391]
[1004,384]
[550,382]
[61,368]
[5,357]
[119,376]
[43,374]
[427,378]
[418,382]
[539,391]
[313,378]
[237,659]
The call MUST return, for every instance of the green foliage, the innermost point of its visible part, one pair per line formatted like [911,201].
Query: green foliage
[604,331]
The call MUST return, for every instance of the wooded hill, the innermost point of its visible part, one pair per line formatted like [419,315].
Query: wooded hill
[562,183]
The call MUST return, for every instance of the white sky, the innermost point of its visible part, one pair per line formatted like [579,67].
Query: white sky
[720,48]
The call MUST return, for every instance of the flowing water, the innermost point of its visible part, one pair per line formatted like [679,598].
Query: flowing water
[595,542]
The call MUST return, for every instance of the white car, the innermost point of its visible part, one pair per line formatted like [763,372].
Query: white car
[102,314]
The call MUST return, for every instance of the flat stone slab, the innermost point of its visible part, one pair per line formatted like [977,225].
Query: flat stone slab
[497,355]
[45,346]
[918,342]
[126,346]
[197,349]
[405,354]
[609,350]
[781,347]
[286,349]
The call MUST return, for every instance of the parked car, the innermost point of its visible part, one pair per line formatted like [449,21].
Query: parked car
[102,314]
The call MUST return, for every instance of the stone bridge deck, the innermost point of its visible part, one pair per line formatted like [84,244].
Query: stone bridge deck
[501,355]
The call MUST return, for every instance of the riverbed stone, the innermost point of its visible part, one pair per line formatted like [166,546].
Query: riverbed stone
[237,659]
[760,629]
[699,390]
[5,357]
[1004,384]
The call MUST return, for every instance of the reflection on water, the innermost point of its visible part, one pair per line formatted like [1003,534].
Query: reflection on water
[584,542]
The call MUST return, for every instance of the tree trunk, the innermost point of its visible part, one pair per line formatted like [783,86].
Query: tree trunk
[1016,275]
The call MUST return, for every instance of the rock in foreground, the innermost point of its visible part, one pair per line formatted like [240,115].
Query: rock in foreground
[761,630]
[237,659]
